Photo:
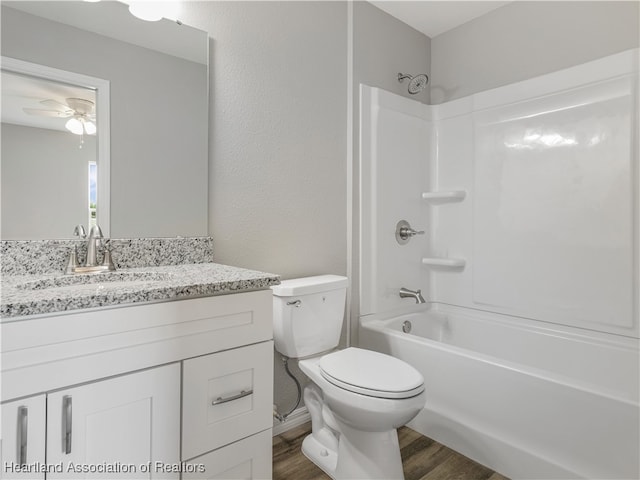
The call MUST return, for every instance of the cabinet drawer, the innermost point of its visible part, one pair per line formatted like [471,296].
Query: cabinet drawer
[226,396]
[249,458]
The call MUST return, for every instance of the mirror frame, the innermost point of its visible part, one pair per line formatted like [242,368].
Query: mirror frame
[103,153]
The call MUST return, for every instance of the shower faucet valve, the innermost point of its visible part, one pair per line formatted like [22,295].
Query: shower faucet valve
[404,232]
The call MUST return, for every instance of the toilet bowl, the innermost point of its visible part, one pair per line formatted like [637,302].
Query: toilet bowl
[367,390]
[363,422]
[357,397]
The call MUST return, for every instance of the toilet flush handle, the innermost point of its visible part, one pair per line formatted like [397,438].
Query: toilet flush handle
[295,303]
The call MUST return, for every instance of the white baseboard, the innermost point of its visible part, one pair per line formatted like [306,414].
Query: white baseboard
[297,418]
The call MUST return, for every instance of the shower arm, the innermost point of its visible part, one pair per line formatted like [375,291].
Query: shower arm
[402,77]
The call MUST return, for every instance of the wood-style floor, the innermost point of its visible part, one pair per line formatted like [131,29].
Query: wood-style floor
[422,459]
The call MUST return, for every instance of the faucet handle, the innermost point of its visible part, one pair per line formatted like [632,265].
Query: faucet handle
[107,261]
[79,231]
[72,263]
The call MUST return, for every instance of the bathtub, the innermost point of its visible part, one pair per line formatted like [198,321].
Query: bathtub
[529,400]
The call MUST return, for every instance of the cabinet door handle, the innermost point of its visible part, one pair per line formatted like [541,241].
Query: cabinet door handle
[67,413]
[242,394]
[23,423]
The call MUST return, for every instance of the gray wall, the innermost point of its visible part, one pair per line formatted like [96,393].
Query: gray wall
[278,131]
[524,39]
[279,161]
[44,182]
[277,173]
[158,122]
[382,47]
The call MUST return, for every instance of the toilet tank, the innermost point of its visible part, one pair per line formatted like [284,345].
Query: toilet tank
[308,314]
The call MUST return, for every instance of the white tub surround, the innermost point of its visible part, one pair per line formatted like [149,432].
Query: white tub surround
[528,194]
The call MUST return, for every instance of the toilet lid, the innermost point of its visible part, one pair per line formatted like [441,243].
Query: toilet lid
[371,373]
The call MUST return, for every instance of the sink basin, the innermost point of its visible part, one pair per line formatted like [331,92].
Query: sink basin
[113,279]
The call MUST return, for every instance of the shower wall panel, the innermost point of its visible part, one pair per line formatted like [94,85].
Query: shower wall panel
[553,208]
[395,142]
[549,226]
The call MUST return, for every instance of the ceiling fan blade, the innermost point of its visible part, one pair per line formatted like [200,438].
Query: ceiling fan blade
[81,106]
[55,105]
[47,113]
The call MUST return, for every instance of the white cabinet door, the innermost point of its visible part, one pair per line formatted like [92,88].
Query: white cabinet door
[23,438]
[127,427]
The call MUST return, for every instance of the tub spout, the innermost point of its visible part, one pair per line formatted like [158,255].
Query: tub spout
[417,294]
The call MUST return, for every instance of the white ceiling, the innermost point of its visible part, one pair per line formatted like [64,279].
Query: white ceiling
[435,17]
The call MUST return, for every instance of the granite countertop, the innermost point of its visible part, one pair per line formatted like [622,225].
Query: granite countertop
[38,294]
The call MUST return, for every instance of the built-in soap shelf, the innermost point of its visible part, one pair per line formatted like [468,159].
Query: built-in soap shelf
[444,262]
[445,195]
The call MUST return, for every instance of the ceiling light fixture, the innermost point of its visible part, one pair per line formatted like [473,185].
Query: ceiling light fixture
[148,11]
[154,10]
[79,126]
[90,127]
[74,126]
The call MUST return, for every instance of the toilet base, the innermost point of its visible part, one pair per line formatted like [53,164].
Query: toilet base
[345,452]
[323,457]
[371,456]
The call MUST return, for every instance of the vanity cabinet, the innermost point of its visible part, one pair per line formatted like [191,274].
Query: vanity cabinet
[138,384]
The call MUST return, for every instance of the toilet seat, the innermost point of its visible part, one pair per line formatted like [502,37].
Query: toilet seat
[371,373]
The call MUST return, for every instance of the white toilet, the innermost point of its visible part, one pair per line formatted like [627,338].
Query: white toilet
[358,397]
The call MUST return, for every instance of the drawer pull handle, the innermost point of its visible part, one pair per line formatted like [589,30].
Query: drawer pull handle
[242,394]
[23,420]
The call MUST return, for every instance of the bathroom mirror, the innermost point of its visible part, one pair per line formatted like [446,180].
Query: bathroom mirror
[157,73]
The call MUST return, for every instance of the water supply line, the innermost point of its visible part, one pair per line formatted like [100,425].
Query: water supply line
[282,417]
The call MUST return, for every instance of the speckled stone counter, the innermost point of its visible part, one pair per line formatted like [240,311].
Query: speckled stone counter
[149,284]
[20,257]
[33,282]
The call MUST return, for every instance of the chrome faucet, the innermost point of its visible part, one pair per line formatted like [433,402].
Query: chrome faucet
[417,294]
[95,236]
[91,264]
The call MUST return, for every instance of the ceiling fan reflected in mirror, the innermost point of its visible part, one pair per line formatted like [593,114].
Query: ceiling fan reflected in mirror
[80,112]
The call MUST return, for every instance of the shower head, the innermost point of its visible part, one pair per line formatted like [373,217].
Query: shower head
[417,83]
